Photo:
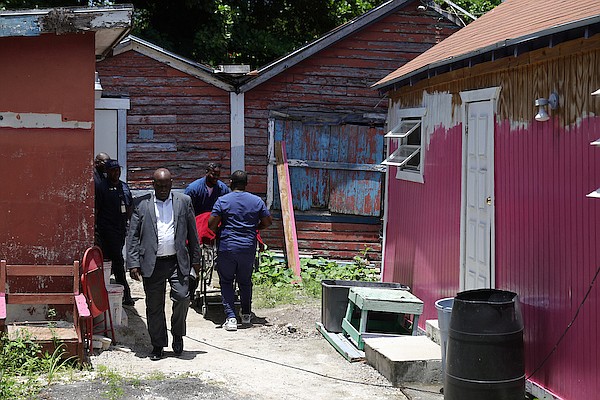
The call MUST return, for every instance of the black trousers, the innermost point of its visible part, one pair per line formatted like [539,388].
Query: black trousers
[112,248]
[155,287]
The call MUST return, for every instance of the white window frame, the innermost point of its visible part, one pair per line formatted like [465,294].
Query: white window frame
[395,159]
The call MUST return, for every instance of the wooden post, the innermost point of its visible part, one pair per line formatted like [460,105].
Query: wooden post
[287,209]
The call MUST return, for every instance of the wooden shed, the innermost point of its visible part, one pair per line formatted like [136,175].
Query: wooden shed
[46,128]
[318,101]
[179,115]
[499,119]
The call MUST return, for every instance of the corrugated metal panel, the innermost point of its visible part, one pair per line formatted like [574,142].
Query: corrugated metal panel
[546,228]
[423,235]
[547,244]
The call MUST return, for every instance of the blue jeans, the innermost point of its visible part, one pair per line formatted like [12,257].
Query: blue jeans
[236,267]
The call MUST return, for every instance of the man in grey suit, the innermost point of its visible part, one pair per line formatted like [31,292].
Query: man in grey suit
[163,246]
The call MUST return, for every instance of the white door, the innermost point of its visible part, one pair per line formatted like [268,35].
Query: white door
[105,136]
[110,130]
[479,197]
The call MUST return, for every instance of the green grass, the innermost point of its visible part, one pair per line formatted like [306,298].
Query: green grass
[275,283]
[25,370]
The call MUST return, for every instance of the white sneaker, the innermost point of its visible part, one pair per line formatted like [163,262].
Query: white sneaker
[230,324]
[246,319]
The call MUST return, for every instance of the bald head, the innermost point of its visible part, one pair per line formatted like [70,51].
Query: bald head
[162,183]
[101,159]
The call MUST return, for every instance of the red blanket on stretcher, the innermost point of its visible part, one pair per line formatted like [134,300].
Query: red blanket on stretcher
[205,235]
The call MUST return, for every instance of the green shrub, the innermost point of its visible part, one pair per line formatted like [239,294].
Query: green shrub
[275,283]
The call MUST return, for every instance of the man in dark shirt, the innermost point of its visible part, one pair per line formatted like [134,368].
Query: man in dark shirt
[99,167]
[205,191]
[114,204]
[240,215]
[99,176]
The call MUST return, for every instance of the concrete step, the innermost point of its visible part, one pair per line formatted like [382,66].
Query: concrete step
[404,359]
[432,330]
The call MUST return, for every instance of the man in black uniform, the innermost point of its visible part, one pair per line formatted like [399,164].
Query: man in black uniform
[114,204]
[99,167]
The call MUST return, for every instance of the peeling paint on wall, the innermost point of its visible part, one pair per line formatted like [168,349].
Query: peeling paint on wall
[40,120]
[442,112]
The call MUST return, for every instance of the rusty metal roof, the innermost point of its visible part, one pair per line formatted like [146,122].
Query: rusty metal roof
[513,27]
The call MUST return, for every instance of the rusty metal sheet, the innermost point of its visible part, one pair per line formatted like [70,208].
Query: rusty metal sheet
[317,184]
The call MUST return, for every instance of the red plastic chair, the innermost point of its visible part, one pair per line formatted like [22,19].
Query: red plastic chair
[94,290]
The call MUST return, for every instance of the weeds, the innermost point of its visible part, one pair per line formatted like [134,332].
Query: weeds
[274,282]
[114,382]
[22,363]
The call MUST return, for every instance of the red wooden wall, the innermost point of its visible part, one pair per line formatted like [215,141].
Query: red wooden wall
[46,201]
[337,80]
[189,118]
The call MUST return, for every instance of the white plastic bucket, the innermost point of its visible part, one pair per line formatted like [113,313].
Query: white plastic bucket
[107,265]
[115,299]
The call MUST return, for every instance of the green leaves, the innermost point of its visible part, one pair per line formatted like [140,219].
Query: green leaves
[21,363]
[475,7]
[253,32]
[275,283]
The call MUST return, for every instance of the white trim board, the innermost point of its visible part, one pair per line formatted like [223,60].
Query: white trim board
[238,149]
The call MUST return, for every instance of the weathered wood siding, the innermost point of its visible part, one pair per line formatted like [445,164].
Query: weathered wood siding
[176,120]
[337,81]
[546,229]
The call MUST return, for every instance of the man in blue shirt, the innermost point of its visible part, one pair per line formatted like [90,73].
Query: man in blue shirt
[114,205]
[205,191]
[241,215]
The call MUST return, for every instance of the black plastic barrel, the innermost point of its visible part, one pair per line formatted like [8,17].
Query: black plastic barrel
[485,354]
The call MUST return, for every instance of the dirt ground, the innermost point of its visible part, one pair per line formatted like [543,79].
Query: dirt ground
[281,356]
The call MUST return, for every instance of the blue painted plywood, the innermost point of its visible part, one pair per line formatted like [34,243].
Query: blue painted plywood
[338,190]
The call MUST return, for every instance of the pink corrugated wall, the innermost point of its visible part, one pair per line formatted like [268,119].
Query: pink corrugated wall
[546,240]
[424,224]
[547,246]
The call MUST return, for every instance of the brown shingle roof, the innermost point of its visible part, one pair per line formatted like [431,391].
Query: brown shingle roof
[512,20]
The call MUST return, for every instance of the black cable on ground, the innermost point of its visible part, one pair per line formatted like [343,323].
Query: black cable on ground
[402,388]
[307,370]
[568,326]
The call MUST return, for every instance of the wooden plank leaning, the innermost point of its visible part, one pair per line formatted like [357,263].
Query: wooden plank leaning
[287,209]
